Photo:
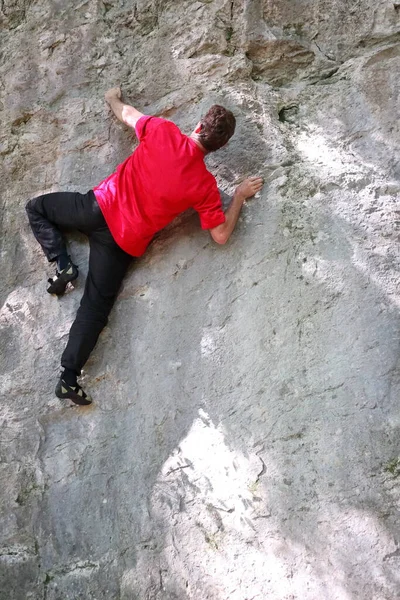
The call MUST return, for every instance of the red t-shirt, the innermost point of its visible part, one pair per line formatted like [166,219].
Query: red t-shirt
[164,176]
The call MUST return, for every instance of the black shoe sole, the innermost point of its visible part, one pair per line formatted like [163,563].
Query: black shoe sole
[65,392]
[58,284]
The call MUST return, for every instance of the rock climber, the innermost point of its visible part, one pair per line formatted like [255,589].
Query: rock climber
[164,176]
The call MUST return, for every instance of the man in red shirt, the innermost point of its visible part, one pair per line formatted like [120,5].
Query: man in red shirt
[163,177]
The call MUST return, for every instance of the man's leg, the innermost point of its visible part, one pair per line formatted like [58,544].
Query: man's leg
[108,264]
[49,214]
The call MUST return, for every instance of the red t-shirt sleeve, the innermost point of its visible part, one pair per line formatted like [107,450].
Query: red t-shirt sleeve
[146,124]
[210,210]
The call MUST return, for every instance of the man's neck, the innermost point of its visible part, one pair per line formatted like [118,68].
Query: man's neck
[196,140]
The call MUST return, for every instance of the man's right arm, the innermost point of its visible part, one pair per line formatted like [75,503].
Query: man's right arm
[246,189]
[124,112]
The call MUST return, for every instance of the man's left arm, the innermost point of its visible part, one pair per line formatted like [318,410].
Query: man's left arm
[124,112]
[247,189]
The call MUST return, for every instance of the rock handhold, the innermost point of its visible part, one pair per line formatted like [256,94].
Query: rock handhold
[278,62]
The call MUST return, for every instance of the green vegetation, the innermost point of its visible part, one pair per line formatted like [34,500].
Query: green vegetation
[228,33]
[393,467]
[48,579]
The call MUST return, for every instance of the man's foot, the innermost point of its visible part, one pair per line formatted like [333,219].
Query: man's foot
[72,392]
[59,283]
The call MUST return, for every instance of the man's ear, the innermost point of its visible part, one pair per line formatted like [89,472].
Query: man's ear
[199,127]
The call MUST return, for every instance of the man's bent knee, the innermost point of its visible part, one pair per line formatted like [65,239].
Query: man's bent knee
[30,206]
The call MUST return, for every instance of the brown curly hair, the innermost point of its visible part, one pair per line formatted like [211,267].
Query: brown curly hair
[217,127]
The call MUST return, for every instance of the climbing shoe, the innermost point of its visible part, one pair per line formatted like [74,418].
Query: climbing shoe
[72,392]
[59,283]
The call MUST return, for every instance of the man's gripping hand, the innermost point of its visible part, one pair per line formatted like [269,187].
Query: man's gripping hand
[124,112]
[112,93]
[249,187]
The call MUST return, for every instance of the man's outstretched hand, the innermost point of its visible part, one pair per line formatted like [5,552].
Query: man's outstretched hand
[250,186]
[112,93]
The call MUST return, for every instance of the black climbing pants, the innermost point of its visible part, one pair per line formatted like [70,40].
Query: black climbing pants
[49,216]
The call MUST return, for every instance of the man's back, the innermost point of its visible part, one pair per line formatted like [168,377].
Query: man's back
[163,177]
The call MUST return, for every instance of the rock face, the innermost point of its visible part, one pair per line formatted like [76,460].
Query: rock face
[244,440]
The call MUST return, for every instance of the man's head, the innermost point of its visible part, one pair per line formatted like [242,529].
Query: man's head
[216,128]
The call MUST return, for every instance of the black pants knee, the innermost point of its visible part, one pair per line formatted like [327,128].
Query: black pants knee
[108,263]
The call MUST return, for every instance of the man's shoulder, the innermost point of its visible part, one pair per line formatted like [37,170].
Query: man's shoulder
[158,125]
[160,121]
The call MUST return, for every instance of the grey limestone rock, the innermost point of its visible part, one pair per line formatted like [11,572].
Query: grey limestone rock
[244,440]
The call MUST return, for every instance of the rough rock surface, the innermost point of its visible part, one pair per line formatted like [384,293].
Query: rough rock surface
[244,441]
